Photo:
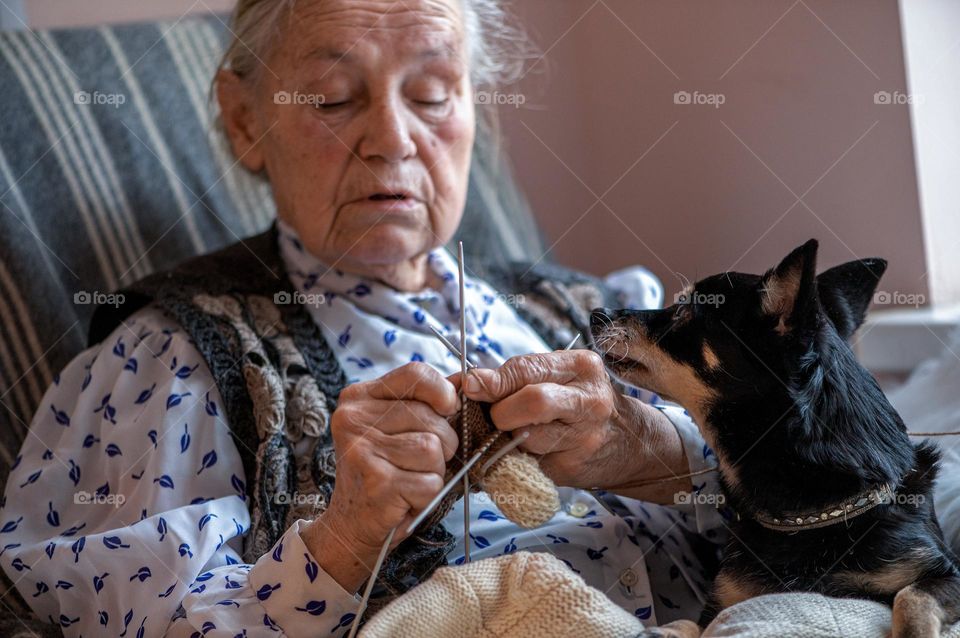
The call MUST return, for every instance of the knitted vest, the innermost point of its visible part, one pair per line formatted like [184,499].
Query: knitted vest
[279,378]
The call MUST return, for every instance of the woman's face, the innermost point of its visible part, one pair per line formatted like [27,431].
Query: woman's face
[363,118]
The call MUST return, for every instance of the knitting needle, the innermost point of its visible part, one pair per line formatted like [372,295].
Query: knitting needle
[463,424]
[369,588]
[419,519]
[449,346]
[446,488]
[503,451]
[573,343]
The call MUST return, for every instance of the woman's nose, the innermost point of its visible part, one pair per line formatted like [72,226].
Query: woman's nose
[387,134]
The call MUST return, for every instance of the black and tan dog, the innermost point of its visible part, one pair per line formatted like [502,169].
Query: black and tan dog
[831,496]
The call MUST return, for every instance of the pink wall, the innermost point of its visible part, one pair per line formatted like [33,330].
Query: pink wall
[701,201]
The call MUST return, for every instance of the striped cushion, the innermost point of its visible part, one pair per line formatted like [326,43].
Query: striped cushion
[96,195]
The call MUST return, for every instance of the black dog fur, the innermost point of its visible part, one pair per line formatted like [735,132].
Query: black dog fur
[763,366]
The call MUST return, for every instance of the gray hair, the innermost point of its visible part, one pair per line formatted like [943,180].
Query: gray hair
[497,49]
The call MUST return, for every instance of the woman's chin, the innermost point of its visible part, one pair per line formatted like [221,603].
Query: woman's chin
[386,247]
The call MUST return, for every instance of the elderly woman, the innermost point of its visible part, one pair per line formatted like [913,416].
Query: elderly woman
[201,434]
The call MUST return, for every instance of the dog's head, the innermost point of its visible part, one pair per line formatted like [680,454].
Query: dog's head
[736,337]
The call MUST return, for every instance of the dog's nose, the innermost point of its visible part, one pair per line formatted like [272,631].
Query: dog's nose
[600,318]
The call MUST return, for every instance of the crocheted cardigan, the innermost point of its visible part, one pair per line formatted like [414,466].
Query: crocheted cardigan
[276,373]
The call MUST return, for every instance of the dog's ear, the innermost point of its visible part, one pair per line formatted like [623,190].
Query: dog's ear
[788,292]
[846,290]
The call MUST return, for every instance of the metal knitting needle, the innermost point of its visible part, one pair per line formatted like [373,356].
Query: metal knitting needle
[452,348]
[369,588]
[503,452]
[573,343]
[463,423]
[386,544]
[446,488]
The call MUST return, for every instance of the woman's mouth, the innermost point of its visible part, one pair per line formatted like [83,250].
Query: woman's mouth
[389,202]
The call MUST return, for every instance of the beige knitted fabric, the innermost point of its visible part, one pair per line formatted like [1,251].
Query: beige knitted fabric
[521,490]
[515,483]
[518,595]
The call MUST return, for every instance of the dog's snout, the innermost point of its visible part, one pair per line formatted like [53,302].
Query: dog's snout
[600,318]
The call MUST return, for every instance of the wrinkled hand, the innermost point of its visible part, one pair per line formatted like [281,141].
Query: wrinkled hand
[587,434]
[392,443]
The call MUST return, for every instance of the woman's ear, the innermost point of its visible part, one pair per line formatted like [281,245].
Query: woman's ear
[240,122]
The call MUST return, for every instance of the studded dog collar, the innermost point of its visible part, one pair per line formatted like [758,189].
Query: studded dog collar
[843,511]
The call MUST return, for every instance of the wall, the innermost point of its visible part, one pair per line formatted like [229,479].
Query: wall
[930,33]
[798,149]
[618,173]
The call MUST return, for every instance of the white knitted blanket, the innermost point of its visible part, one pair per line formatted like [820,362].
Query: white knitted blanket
[534,595]
[805,616]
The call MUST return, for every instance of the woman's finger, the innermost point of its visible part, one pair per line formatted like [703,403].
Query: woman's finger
[536,404]
[418,488]
[561,367]
[396,417]
[547,438]
[413,452]
[418,382]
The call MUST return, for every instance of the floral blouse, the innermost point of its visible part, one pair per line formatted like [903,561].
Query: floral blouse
[126,507]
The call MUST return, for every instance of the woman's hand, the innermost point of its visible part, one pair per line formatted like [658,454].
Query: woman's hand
[586,433]
[392,443]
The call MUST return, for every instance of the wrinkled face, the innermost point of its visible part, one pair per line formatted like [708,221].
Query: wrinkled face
[366,114]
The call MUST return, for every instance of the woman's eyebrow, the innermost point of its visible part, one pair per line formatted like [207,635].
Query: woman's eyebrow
[330,54]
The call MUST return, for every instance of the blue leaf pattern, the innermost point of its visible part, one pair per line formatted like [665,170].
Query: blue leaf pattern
[134,573]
